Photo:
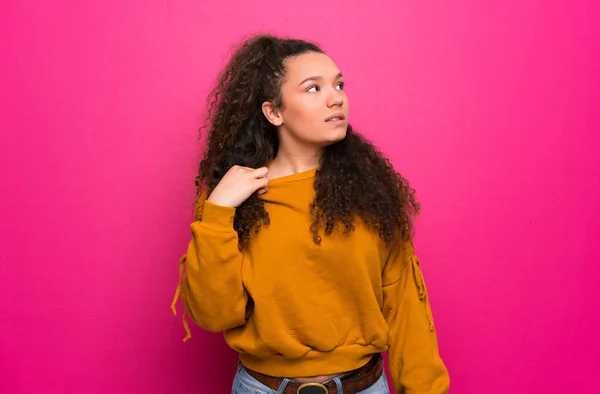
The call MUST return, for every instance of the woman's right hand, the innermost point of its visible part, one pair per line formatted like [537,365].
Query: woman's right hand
[238,184]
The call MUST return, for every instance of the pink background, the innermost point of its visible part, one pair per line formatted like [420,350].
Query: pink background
[492,111]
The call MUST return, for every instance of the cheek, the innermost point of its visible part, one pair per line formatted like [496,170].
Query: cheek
[302,112]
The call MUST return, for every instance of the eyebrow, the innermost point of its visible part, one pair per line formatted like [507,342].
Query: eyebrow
[318,78]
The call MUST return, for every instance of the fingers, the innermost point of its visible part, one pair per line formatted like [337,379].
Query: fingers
[261,184]
[260,172]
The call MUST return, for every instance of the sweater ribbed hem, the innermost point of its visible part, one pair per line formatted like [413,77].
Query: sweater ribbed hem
[314,363]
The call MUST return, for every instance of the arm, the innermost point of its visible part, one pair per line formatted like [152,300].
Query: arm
[414,362]
[211,279]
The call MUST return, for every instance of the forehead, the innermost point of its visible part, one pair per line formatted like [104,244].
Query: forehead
[308,65]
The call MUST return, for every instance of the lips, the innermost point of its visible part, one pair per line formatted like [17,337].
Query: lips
[335,117]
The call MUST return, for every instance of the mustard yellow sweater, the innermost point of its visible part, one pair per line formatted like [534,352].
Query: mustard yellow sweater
[294,308]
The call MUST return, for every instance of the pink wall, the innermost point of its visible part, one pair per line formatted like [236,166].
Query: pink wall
[490,110]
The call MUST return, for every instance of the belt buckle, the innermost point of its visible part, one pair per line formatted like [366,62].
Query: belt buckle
[312,388]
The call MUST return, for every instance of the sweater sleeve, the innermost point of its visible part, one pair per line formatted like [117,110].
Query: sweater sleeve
[414,362]
[211,271]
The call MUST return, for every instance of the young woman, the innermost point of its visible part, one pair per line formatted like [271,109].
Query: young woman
[301,249]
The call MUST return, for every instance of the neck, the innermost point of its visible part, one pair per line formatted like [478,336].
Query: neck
[288,162]
[294,156]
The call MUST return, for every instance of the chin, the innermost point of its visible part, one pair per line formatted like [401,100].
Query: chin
[337,136]
[342,133]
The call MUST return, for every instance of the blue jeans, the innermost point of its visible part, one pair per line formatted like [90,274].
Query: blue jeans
[243,383]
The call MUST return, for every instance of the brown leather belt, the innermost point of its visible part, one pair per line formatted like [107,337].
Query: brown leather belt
[353,382]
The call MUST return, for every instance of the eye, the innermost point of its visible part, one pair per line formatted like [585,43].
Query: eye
[313,88]
[341,85]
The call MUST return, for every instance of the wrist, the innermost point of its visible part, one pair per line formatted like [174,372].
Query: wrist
[219,201]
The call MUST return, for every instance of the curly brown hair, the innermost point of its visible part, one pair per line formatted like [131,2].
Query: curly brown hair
[354,177]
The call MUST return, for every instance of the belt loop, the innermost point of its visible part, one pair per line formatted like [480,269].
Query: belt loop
[338,384]
[283,385]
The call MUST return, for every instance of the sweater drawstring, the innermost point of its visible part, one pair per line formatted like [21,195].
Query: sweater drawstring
[198,210]
[422,290]
[177,294]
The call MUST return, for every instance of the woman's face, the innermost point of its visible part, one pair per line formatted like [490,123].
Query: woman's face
[315,106]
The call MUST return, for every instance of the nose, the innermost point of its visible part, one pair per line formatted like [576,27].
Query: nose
[335,98]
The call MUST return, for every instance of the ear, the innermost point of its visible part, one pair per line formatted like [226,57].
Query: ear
[272,114]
